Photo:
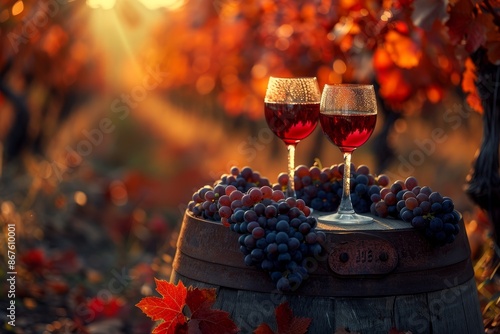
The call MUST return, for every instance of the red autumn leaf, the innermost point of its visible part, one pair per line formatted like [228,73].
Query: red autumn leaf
[492,43]
[203,318]
[108,308]
[185,310]
[169,308]
[476,35]
[460,17]
[287,322]
[263,329]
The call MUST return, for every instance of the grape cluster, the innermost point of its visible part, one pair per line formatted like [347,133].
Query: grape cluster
[385,204]
[321,189]
[243,180]
[277,235]
[205,201]
[424,209]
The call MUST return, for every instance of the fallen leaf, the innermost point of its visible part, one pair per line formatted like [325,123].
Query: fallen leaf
[205,319]
[168,309]
[287,322]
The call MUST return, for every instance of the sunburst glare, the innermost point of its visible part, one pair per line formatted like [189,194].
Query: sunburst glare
[104,4]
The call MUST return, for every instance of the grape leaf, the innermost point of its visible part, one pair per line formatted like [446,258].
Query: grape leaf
[476,35]
[203,318]
[185,310]
[169,308]
[463,25]
[460,17]
[287,322]
[492,43]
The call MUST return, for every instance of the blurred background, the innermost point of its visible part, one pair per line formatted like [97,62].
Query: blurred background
[113,112]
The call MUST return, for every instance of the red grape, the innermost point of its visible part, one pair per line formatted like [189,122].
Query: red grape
[383,180]
[410,182]
[229,189]
[411,203]
[283,179]
[256,195]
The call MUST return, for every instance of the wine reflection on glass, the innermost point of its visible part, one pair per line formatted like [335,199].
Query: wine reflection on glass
[291,108]
[348,114]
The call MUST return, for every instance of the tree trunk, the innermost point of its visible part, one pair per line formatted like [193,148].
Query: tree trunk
[484,180]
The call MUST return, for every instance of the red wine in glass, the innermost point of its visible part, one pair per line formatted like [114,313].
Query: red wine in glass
[348,114]
[349,130]
[291,108]
[292,122]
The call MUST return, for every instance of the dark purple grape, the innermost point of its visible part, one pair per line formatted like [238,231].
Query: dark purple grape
[283,248]
[435,197]
[252,225]
[436,224]
[436,207]
[418,222]
[282,226]
[304,228]
[283,284]
[282,237]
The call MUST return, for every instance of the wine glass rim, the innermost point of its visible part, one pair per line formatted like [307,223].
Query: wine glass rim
[291,78]
[350,85]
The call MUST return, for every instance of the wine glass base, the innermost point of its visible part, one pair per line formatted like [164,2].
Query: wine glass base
[345,219]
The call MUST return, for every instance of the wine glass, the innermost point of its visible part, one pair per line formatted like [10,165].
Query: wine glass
[348,114]
[291,108]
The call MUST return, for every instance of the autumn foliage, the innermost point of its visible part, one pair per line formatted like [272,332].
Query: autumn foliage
[186,310]
[416,50]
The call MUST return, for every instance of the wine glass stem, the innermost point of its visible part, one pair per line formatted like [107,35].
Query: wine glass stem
[345,203]
[290,190]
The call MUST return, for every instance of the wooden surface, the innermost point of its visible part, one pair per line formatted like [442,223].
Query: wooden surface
[454,310]
[209,252]
[431,289]
[377,224]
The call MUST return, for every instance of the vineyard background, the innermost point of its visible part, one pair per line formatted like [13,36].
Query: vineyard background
[113,112]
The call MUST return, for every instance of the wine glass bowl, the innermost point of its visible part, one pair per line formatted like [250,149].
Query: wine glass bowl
[348,114]
[291,108]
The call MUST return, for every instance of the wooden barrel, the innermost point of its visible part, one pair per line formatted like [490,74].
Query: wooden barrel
[373,277]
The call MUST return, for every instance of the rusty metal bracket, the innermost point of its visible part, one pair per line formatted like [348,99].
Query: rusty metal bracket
[363,256]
